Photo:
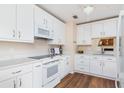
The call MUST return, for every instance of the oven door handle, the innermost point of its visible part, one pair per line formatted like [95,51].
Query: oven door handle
[50,64]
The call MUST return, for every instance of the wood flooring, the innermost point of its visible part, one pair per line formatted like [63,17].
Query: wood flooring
[78,80]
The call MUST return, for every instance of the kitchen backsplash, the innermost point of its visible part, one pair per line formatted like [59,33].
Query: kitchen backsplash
[94,48]
[9,50]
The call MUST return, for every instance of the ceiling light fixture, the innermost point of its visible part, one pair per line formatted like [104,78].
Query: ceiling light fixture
[88,9]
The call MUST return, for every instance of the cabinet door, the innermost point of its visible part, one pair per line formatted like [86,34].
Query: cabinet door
[109,69]
[10,83]
[59,32]
[62,33]
[67,67]
[80,35]
[25,25]
[96,67]
[87,34]
[37,75]
[110,28]
[61,69]
[97,29]
[7,21]
[39,19]
[24,80]
[84,34]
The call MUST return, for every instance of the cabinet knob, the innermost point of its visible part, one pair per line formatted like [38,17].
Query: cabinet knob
[13,33]
[19,34]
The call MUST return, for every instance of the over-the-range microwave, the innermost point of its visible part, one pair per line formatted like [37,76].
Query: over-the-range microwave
[43,33]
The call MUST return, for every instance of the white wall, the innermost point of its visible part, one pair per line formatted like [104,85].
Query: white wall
[69,47]
[10,50]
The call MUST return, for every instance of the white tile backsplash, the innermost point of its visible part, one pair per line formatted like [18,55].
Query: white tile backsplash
[9,50]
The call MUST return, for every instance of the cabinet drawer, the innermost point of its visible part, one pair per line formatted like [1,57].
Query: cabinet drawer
[96,58]
[83,62]
[8,73]
[82,68]
[113,59]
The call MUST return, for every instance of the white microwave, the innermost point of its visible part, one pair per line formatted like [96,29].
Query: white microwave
[43,33]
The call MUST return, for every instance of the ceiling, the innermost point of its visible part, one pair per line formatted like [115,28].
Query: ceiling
[66,11]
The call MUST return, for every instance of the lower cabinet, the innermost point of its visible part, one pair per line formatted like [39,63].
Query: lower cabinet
[82,63]
[22,81]
[10,83]
[105,66]
[25,80]
[64,68]
[98,65]
[37,75]
[110,69]
[18,77]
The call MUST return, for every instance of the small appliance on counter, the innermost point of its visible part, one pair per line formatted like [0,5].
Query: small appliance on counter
[106,42]
[56,51]
[61,50]
[80,50]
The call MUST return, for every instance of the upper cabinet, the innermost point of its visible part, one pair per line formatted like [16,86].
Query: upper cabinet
[16,23]
[25,26]
[97,29]
[43,23]
[59,32]
[84,34]
[106,28]
[7,22]
[110,28]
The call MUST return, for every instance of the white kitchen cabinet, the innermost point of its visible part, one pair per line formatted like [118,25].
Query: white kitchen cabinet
[105,28]
[96,67]
[37,75]
[97,29]
[7,22]
[110,28]
[25,25]
[67,66]
[82,63]
[59,32]
[64,67]
[24,80]
[10,83]
[84,34]
[104,65]
[109,69]
[17,77]
[16,23]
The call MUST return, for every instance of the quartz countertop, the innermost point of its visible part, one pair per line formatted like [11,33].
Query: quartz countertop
[15,62]
[28,60]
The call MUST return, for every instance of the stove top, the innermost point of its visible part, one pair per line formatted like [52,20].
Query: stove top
[40,57]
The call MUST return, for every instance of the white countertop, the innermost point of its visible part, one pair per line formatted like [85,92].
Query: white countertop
[97,54]
[23,61]
[15,62]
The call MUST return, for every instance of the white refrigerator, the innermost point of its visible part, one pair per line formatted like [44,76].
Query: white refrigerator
[120,51]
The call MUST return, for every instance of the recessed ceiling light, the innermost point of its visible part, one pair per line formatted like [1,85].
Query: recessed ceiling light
[88,9]
[75,16]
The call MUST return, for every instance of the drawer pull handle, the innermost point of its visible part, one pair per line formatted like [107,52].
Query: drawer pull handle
[14,84]
[109,59]
[81,68]
[20,82]
[16,72]
[38,66]
[19,71]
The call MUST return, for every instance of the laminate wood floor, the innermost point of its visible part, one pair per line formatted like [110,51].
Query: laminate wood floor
[78,80]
